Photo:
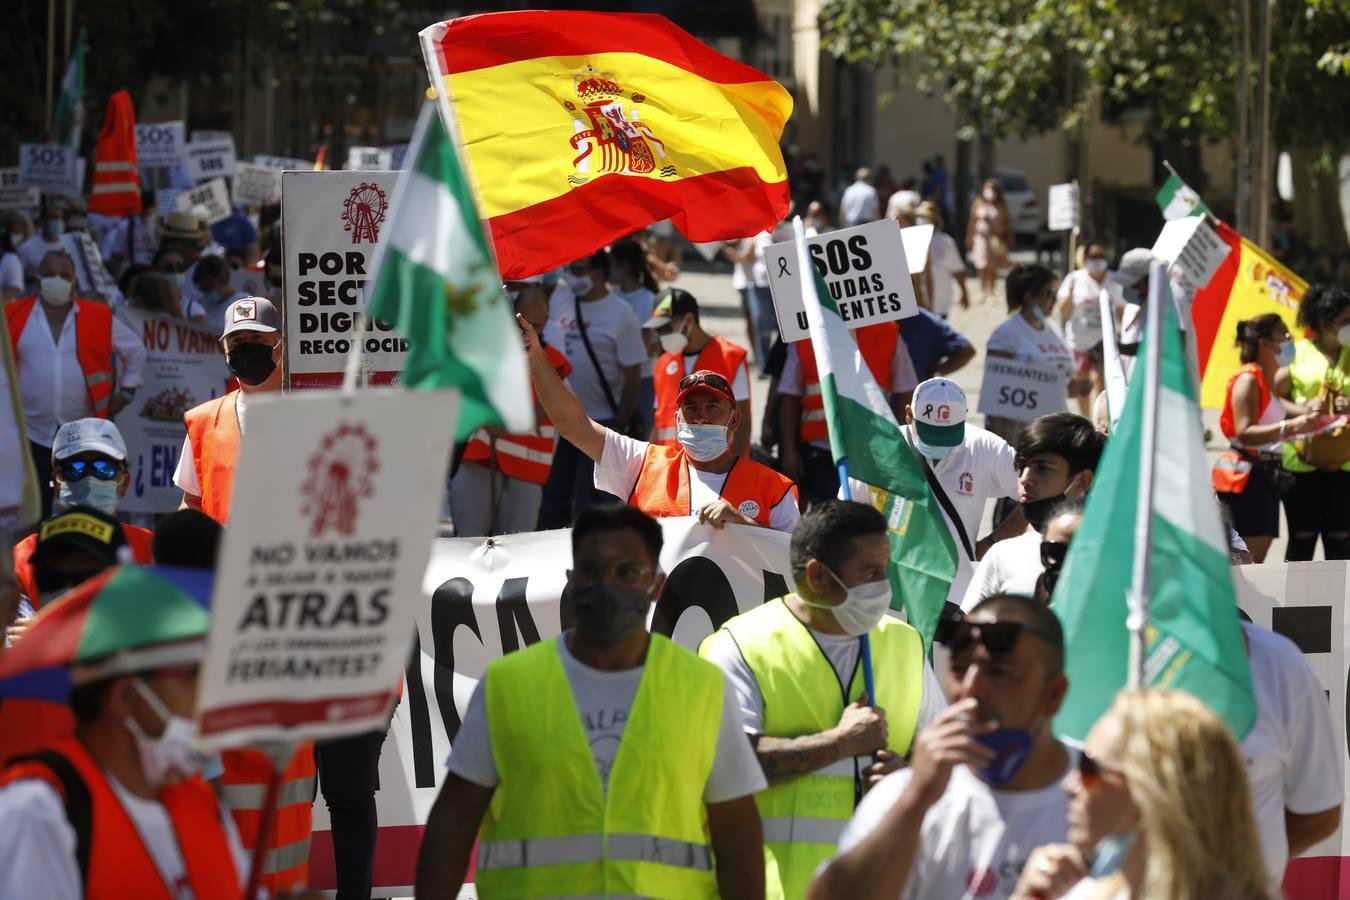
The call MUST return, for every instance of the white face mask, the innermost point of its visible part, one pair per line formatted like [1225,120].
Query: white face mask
[674,342]
[1096,266]
[703,443]
[990,196]
[931,451]
[580,285]
[863,606]
[89,491]
[172,751]
[1343,335]
[55,290]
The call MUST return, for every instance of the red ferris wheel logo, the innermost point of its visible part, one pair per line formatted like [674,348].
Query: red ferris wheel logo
[364,211]
[340,475]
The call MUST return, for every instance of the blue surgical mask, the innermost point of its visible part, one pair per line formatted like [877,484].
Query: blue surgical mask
[931,451]
[703,443]
[53,229]
[1285,356]
[177,279]
[1011,748]
[1110,853]
[89,491]
[1038,312]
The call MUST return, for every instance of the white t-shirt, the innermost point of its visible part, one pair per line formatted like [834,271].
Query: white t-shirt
[945,260]
[38,843]
[903,377]
[643,302]
[604,700]
[185,474]
[975,840]
[1291,755]
[1084,329]
[621,463]
[1044,348]
[860,203]
[842,652]
[1010,567]
[11,272]
[979,469]
[616,338]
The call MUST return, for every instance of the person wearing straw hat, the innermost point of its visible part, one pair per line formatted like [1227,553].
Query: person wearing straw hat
[253,351]
[119,806]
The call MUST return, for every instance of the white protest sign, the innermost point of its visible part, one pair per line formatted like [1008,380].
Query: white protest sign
[1063,207]
[864,268]
[14,194]
[370,159]
[1022,389]
[283,162]
[213,198]
[315,598]
[49,168]
[210,159]
[159,144]
[917,239]
[184,367]
[97,278]
[1192,249]
[166,200]
[331,223]
[256,185]
[397,153]
[19,505]
[252,281]
[199,135]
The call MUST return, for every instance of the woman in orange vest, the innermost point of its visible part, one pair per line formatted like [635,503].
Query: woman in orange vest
[703,476]
[687,348]
[1256,422]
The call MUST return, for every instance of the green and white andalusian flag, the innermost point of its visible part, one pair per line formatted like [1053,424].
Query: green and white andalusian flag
[1193,637]
[864,432]
[1177,199]
[436,283]
[70,103]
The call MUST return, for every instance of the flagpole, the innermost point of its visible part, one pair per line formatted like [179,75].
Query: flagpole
[865,644]
[1168,166]
[1137,619]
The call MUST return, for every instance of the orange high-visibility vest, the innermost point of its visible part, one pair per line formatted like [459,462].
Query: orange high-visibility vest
[878,349]
[528,457]
[93,344]
[244,788]
[213,430]
[117,176]
[662,488]
[138,539]
[118,864]
[1234,467]
[720,356]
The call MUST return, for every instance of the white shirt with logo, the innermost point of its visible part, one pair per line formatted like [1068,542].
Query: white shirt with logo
[616,337]
[1084,328]
[1009,567]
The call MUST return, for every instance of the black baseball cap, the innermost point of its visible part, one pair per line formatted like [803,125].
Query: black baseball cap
[676,302]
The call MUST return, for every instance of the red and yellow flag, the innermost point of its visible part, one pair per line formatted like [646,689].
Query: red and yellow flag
[1249,283]
[583,127]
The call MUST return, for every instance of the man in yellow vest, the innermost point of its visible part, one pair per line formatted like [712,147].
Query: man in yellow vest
[795,666]
[607,761]
[703,476]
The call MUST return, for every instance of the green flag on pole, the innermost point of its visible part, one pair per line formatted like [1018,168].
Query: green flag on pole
[864,432]
[435,281]
[70,103]
[1192,637]
[1177,199]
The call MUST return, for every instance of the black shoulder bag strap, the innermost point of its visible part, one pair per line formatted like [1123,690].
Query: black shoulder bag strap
[79,805]
[946,503]
[599,372]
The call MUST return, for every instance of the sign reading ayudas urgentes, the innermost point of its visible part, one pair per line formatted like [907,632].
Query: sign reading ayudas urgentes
[321,572]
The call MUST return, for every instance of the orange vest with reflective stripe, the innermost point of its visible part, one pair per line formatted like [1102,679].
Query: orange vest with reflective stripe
[244,787]
[117,177]
[213,430]
[662,488]
[93,344]
[1233,468]
[120,865]
[720,356]
[140,540]
[528,457]
[878,349]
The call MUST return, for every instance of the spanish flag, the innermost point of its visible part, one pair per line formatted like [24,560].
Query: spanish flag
[581,128]
[1248,283]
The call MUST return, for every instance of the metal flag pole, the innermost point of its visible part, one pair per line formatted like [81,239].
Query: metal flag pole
[865,644]
[278,757]
[1138,599]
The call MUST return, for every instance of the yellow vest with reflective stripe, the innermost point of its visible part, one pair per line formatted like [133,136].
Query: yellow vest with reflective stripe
[804,817]
[1308,372]
[552,829]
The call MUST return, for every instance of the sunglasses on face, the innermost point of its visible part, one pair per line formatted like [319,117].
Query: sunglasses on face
[1090,771]
[710,379]
[76,469]
[998,638]
[626,573]
[1053,554]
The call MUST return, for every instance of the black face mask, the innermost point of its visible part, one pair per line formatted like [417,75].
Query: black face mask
[607,615]
[1038,511]
[251,363]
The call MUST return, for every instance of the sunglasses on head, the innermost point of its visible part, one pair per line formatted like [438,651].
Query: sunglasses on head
[1053,554]
[710,379]
[76,469]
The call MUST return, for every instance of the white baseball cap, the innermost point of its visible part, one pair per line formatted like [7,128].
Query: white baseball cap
[939,407]
[85,435]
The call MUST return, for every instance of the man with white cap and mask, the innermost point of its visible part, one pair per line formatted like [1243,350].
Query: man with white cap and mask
[1132,276]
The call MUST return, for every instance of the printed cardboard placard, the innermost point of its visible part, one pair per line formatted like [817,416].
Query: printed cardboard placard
[256,185]
[864,267]
[1063,207]
[213,198]
[370,159]
[48,168]
[14,194]
[210,159]
[159,144]
[1194,251]
[283,162]
[1021,390]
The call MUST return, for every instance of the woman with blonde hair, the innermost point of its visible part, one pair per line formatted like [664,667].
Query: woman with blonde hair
[1159,808]
[989,235]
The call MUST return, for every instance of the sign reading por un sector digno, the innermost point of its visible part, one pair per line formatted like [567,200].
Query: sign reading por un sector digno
[332,223]
[321,572]
[864,268]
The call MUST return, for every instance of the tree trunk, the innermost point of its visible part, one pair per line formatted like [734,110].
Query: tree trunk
[1264,165]
[1243,181]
